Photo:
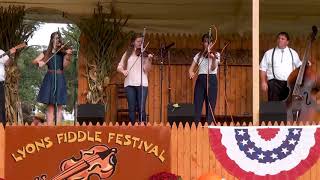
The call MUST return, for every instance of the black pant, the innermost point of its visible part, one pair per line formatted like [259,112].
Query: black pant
[277,90]
[200,94]
[2,104]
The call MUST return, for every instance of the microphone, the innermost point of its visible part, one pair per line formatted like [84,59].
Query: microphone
[144,32]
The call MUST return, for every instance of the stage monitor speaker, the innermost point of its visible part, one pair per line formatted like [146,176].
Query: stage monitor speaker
[184,113]
[93,113]
[272,111]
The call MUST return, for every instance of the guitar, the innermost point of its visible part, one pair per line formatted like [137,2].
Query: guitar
[22,45]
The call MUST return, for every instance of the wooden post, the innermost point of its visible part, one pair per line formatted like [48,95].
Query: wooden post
[255,61]
[2,151]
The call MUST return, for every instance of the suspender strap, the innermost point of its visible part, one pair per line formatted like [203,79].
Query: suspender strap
[274,76]
[292,59]
[274,49]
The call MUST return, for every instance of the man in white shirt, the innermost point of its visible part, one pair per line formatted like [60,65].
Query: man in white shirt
[275,68]
[3,61]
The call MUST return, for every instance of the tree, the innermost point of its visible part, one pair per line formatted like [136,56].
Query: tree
[71,34]
[29,82]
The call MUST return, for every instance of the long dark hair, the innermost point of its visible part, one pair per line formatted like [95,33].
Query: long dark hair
[202,53]
[48,53]
[130,49]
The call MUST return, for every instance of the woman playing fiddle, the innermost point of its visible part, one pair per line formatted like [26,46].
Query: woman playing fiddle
[200,91]
[130,67]
[53,91]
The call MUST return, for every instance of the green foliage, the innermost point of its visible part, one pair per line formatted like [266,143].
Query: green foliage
[30,75]
[72,34]
[29,82]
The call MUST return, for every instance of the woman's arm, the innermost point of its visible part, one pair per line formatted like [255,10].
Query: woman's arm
[191,70]
[147,63]
[120,68]
[67,58]
[38,60]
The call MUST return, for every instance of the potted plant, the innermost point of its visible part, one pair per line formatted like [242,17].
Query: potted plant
[13,31]
[103,37]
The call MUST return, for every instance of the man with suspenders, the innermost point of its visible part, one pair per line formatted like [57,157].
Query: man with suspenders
[276,66]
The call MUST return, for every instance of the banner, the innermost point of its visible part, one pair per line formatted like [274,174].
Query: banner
[276,152]
[88,152]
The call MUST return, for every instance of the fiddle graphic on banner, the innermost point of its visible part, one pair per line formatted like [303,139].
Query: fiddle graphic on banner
[100,160]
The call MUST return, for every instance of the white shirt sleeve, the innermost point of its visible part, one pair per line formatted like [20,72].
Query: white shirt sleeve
[296,60]
[195,58]
[122,60]
[263,63]
[4,59]
[217,57]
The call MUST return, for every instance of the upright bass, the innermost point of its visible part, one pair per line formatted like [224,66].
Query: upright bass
[303,85]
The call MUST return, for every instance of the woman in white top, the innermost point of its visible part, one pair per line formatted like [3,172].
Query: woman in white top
[200,92]
[130,67]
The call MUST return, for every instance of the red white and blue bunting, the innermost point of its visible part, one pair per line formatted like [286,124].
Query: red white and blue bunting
[276,152]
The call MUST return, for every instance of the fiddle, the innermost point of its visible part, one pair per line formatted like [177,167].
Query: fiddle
[145,53]
[64,47]
[98,160]
[61,48]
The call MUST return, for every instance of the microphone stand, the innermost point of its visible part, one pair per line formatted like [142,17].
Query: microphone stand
[222,57]
[169,79]
[225,89]
[141,86]
[161,78]
[209,108]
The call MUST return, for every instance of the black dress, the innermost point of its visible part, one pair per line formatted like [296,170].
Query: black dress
[53,88]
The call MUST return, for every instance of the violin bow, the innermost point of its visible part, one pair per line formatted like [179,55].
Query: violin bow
[223,49]
[62,46]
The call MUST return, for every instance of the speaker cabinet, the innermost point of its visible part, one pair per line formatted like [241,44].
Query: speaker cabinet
[93,113]
[184,113]
[272,111]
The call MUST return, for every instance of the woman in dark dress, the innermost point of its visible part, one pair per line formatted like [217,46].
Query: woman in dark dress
[53,91]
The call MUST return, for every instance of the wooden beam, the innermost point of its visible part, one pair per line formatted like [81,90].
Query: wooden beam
[255,61]
[2,151]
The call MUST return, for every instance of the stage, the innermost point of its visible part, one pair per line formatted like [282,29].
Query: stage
[141,151]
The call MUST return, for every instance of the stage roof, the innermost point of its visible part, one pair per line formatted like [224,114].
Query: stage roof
[187,16]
